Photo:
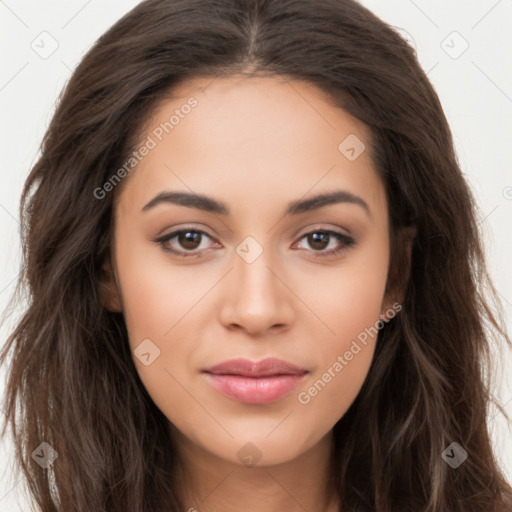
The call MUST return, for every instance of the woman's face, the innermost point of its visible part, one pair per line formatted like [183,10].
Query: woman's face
[252,279]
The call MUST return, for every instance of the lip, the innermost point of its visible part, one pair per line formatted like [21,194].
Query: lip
[249,382]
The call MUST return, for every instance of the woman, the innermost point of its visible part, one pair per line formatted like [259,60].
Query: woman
[255,275]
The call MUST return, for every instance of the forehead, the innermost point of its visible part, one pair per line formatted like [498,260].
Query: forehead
[252,137]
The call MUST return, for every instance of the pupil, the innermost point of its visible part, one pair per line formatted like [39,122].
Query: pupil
[187,239]
[319,238]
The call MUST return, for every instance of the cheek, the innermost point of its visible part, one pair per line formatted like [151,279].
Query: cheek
[163,308]
[349,298]
[348,303]
[157,295]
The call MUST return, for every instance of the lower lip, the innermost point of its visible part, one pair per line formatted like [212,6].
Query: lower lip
[254,390]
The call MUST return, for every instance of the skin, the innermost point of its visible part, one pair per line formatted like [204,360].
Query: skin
[255,144]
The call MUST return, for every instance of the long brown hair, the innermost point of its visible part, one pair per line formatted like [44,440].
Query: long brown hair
[72,382]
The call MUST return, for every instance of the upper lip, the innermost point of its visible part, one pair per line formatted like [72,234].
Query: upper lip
[265,367]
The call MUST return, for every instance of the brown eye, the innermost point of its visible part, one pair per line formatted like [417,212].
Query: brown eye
[189,239]
[183,242]
[320,239]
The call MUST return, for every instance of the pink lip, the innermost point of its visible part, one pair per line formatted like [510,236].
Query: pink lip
[262,382]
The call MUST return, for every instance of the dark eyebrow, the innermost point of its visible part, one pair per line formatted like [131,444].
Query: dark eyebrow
[338,196]
[209,204]
[191,200]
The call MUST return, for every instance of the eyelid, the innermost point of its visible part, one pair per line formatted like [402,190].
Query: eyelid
[318,226]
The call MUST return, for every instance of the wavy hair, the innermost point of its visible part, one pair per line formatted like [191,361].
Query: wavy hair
[72,382]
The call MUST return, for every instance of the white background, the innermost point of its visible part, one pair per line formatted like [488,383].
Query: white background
[475,89]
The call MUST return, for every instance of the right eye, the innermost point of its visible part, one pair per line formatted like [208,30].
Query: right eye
[188,238]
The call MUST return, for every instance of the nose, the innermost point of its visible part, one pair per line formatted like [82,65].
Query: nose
[256,297]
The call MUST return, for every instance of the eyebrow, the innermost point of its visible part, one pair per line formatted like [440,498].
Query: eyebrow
[208,204]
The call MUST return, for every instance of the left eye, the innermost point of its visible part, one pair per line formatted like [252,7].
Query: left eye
[320,239]
[190,242]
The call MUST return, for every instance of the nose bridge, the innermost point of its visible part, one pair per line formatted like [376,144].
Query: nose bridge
[253,264]
[256,297]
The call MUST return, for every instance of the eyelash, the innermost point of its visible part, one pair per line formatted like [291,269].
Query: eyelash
[346,240]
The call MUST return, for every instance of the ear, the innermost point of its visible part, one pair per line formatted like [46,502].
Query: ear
[109,291]
[400,267]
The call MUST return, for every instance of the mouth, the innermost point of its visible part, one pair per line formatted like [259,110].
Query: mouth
[248,382]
